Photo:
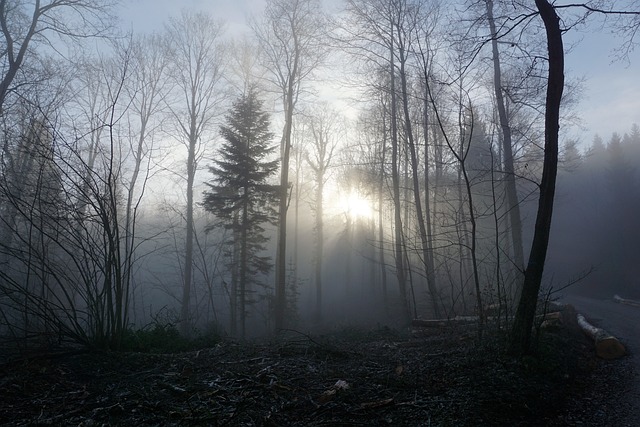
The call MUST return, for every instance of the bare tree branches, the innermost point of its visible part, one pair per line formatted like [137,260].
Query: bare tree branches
[27,23]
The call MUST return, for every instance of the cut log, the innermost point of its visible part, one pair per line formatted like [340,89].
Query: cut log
[607,346]
[555,306]
[550,319]
[429,323]
[626,301]
[555,318]
[556,315]
[495,309]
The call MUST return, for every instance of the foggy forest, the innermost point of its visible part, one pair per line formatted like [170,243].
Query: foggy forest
[363,162]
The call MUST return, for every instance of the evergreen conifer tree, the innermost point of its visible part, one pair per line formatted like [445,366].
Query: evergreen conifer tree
[241,197]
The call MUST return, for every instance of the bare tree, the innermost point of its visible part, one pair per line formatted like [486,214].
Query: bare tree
[380,31]
[513,204]
[460,152]
[395,178]
[74,257]
[425,57]
[291,40]
[196,63]
[146,92]
[324,129]
[405,28]
[521,331]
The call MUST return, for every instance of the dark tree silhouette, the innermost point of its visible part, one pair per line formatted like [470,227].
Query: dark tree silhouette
[240,196]
[521,331]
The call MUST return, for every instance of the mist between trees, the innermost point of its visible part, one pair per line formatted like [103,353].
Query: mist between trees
[189,180]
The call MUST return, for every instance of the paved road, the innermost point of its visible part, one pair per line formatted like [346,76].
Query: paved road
[622,321]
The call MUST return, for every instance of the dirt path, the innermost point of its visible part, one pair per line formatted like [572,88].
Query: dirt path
[617,405]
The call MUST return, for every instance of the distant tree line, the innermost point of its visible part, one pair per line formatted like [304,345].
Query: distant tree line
[598,201]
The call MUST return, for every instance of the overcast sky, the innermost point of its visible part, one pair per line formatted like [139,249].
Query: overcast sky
[611,91]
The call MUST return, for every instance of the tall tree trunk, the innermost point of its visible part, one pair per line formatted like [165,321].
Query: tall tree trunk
[348,258]
[244,265]
[235,273]
[296,223]
[319,241]
[399,251]
[461,222]
[438,163]
[521,332]
[473,250]
[283,205]
[195,74]
[424,240]
[430,264]
[185,311]
[381,182]
[509,170]
[291,39]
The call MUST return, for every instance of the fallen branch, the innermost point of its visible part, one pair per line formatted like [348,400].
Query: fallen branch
[607,346]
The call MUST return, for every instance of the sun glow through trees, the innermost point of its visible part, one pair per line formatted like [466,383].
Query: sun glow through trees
[355,206]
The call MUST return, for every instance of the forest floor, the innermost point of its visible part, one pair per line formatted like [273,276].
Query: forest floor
[433,377]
